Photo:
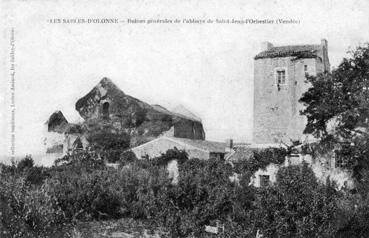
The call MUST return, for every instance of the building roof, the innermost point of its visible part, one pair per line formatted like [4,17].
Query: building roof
[245,152]
[301,51]
[204,145]
[184,112]
[240,153]
[211,146]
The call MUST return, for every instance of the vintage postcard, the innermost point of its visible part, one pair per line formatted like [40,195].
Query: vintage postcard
[184,118]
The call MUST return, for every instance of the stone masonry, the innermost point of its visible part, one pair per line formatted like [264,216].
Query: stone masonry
[279,82]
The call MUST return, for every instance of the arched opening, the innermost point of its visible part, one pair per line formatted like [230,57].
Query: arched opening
[105,110]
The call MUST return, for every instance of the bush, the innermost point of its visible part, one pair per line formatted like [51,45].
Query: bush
[27,212]
[353,211]
[109,145]
[203,194]
[81,187]
[127,157]
[85,188]
[36,175]
[25,168]
[25,163]
[79,162]
[260,160]
[142,190]
[297,206]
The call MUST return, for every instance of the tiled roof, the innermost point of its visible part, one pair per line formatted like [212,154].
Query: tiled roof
[240,153]
[303,51]
[211,146]
[179,111]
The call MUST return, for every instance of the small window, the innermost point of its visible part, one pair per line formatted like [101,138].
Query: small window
[341,155]
[105,110]
[339,162]
[305,68]
[281,77]
[214,155]
[264,180]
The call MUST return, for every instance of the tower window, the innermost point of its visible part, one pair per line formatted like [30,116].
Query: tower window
[281,77]
[305,68]
[105,110]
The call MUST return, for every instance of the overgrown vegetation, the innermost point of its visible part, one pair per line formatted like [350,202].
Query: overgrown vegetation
[81,188]
[108,145]
[337,109]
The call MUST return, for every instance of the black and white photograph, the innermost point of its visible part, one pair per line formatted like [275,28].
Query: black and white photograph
[160,119]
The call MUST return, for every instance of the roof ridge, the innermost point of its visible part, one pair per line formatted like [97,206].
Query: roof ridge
[301,51]
[198,140]
[295,45]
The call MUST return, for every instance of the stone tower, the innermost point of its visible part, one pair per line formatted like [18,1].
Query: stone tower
[279,82]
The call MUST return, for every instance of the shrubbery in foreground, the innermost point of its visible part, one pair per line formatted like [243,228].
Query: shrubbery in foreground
[82,188]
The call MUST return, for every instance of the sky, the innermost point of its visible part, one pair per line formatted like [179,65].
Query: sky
[207,68]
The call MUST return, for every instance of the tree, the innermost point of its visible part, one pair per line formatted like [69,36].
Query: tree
[25,163]
[109,145]
[337,109]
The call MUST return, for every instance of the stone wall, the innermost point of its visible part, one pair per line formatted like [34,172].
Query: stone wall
[323,168]
[276,108]
[184,128]
[107,105]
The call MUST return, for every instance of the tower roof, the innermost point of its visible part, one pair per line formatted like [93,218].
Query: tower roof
[301,51]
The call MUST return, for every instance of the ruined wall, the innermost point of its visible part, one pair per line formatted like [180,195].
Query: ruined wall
[52,140]
[173,171]
[106,105]
[323,168]
[70,139]
[271,170]
[53,131]
[276,108]
[184,128]
[60,135]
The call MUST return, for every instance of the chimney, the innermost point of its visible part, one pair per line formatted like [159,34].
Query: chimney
[229,145]
[266,46]
[324,43]
[324,50]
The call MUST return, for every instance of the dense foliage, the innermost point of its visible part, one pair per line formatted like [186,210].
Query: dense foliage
[297,206]
[337,109]
[81,188]
[261,159]
[109,144]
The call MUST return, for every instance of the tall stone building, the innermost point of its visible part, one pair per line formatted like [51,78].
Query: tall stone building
[279,82]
